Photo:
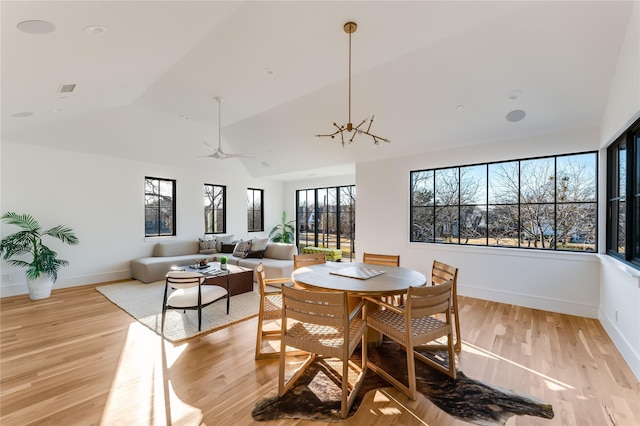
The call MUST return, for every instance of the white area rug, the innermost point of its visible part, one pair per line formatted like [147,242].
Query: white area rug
[144,303]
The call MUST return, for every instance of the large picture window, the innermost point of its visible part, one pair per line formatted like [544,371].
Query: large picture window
[215,212]
[325,217]
[623,196]
[255,212]
[542,203]
[159,207]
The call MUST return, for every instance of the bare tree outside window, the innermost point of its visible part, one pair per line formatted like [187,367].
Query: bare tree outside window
[159,207]
[544,203]
[215,220]
[255,212]
[325,217]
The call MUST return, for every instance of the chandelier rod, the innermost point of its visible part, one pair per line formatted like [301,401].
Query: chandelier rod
[350,27]
[350,32]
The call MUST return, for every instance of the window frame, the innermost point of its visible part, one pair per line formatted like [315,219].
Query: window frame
[308,219]
[628,192]
[223,190]
[158,232]
[251,212]
[429,207]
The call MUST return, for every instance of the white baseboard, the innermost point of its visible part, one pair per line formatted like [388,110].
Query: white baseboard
[629,355]
[530,301]
[15,289]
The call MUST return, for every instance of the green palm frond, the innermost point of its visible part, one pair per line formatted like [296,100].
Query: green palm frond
[62,233]
[29,241]
[24,221]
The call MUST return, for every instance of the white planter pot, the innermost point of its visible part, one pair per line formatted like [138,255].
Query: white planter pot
[40,288]
[223,266]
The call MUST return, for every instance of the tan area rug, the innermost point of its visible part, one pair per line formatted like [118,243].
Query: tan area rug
[144,303]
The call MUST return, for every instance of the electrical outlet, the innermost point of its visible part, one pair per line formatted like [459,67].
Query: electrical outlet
[6,278]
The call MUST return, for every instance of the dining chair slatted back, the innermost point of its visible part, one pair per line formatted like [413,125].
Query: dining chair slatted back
[415,327]
[441,273]
[320,324]
[388,260]
[301,260]
[381,259]
[184,291]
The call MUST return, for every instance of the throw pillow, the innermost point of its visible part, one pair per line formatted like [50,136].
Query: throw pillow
[227,248]
[259,244]
[207,246]
[223,239]
[254,254]
[242,248]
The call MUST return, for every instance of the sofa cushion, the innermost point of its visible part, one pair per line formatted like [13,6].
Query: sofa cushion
[273,268]
[242,248]
[254,254]
[259,244]
[150,269]
[280,251]
[227,248]
[176,248]
[207,246]
[223,239]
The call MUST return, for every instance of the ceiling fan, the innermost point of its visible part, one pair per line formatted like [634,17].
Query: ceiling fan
[217,152]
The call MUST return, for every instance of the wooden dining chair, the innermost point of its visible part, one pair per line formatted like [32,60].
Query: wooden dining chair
[441,273]
[381,259]
[389,260]
[415,328]
[320,323]
[301,260]
[270,310]
[188,293]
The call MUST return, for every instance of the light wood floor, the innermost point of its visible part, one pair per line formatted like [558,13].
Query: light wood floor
[76,359]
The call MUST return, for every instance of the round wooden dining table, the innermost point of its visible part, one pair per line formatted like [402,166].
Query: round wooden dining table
[358,279]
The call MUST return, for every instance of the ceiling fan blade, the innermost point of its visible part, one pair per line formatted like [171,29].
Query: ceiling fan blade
[208,146]
[240,156]
[218,153]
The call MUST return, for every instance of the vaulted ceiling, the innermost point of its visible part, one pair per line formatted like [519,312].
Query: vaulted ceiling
[435,74]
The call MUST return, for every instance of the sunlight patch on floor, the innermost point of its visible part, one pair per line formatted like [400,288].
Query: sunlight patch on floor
[552,384]
[142,373]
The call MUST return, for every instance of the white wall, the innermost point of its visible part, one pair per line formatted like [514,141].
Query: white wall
[102,200]
[561,282]
[620,284]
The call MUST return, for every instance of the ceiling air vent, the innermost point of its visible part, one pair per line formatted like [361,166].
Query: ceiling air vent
[66,88]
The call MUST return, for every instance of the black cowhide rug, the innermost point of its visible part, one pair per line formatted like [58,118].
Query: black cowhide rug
[316,395]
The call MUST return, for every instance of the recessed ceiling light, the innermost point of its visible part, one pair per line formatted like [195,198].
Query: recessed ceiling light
[269,71]
[22,114]
[56,110]
[515,115]
[185,117]
[514,94]
[265,164]
[36,27]
[94,29]
[460,107]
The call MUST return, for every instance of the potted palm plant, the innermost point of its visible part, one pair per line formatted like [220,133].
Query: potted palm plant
[42,270]
[284,232]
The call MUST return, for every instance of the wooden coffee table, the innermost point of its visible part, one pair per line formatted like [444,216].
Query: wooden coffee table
[240,279]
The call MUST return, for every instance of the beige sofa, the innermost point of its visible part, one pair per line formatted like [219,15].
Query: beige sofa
[277,260]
